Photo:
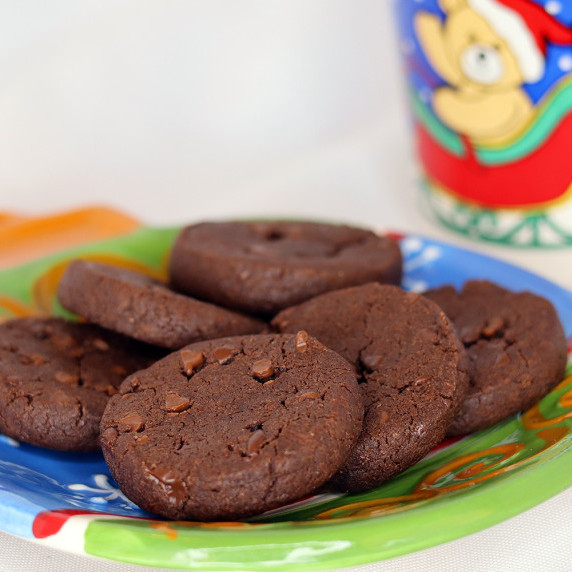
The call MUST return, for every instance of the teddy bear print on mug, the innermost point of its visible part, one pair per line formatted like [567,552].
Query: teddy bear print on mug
[486,51]
[491,88]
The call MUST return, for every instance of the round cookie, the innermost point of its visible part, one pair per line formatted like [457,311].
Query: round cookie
[56,378]
[263,267]
[142,308]
[412,367]
[229,428]
[516,348]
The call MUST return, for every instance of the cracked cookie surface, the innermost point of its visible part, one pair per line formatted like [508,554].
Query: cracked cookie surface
[263,267]
[230,428]
[56,378]
[142,308]
[412,368]
[516,348]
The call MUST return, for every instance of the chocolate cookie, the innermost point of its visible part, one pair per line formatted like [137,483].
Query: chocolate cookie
[142,308]
[516,348]
[56,378]
[229,428]
[413,373]
[263,267]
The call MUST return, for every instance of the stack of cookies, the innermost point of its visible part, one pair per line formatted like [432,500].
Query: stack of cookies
[281,357]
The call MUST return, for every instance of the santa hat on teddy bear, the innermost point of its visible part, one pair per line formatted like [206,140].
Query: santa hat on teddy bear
[526,27]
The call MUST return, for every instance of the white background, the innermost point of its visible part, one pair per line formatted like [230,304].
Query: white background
[179,111]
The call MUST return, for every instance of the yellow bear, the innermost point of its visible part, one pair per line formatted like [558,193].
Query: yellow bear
[485,70]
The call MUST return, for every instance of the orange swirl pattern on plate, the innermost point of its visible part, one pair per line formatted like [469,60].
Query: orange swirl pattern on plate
[24,239]
[470,469]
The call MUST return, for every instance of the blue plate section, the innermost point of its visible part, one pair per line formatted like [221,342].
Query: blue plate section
[33,479]
[429,264]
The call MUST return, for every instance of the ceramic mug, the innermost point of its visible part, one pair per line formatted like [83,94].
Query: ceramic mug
[490,87]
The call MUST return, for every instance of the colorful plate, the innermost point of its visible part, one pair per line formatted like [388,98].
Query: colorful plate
[69,500]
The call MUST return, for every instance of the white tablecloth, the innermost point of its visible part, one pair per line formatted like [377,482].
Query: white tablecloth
[183,111]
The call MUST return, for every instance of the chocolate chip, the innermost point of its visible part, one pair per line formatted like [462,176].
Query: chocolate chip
[308,395]
[100,344]
[494,325]
[255,442]
[175,403]
[174,486]
[224,355]
[65,377]
[165,475]
[502,359]
[33,359]
[371,361]
[131,422]
[262,369]
[468,334]
[38,359]
[109,436]
[302,341]
[127,388]
[191,360]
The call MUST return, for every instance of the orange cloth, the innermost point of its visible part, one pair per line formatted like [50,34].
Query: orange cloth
[23,239]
